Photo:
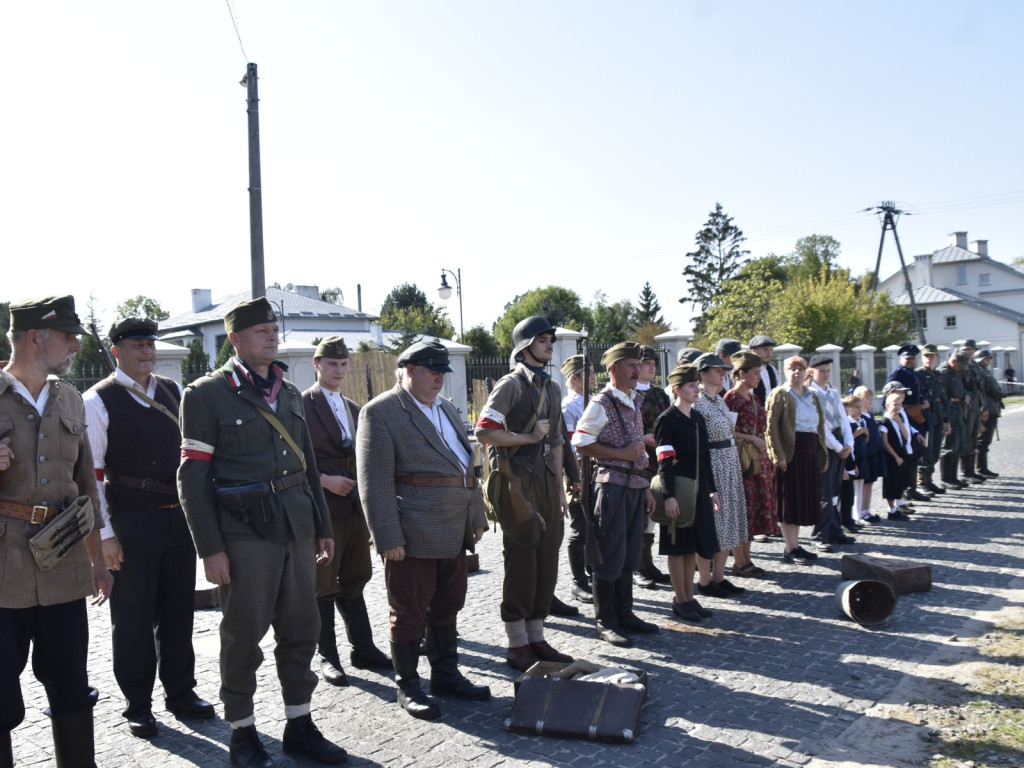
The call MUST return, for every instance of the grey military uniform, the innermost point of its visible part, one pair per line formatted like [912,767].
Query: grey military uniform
[954,443]
[934,391]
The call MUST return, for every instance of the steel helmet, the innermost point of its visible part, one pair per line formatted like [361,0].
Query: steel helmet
[525,332]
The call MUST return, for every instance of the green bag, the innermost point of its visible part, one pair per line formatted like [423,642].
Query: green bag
[685,495]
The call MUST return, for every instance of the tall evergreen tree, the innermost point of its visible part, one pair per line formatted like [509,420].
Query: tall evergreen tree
[717,259]
[648,309]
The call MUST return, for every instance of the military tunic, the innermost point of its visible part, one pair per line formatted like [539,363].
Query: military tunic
[975,405]
[934,391]
[993,399]
[954,443]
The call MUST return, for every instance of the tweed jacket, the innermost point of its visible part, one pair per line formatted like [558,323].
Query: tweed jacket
[52,462]
[225,439]
[330,456]
[781,433]
[395,438]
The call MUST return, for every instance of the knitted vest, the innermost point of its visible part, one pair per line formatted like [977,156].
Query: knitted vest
[625,425]
[141,443]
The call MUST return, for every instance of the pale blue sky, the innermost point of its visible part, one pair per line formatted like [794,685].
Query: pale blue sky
[518,141]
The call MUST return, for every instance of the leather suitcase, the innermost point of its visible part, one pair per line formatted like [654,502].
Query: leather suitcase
[574,709]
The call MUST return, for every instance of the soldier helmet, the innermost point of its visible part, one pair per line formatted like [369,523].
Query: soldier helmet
[525,332]
[983,354]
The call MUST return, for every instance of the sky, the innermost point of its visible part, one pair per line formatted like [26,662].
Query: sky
[526,143]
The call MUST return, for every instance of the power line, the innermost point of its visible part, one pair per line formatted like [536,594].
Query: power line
[234,23]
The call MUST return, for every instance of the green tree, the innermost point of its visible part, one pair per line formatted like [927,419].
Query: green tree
[89,364]
[482,342]
[716,260]
[333,296]
[226,353]
[5,326]
[141,306]
[814,256]
[559,306]
[747,306]
[195,363]
[611,323]
[648,309]
[406,309]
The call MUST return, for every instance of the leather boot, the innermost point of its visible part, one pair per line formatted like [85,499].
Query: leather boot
[327,645]
[6,750]
[983,469]
[578,566]
[608,628]
[302,737]
[558,608]
[247,750]
[365,654]
[73,745]
[653,572]
[967,470]
[947,469]
[404,658]
[628,620]
[445,677]
[924,480]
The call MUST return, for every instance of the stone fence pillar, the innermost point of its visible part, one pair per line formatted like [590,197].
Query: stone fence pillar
[783,352]
[832,350]
[168,360]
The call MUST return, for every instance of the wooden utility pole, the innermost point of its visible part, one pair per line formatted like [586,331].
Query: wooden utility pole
[259,280]
[888,213]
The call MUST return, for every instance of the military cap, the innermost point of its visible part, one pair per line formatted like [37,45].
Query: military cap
[429,354]
[726,347]
[929,349]
[709,360]
[819,359]
[333,347]
[893,386]
[962,357]
[689,354]
[647,352]
[47,312]
[762,340]
[246,314]
[981,354]
[572,366]
[969,344]
[683,374]
[909,350]
[133,328]
[746,360]
[626,350]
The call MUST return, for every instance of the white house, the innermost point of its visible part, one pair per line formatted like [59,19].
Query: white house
[962,293]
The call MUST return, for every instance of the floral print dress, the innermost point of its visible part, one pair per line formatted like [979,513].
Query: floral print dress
[758,490]
[731,520]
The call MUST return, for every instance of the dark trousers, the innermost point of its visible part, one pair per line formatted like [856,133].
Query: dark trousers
[59,637]
[272,584]
[972,425]
[531,572]
[351,569]
[152,604]
[988,432]
[830,481]
[953,443]
[424,592]
[929,454]
[621,518]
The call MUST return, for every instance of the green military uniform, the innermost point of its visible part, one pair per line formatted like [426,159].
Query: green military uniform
[975,405]
[953,443]
[992,395]
[934,391]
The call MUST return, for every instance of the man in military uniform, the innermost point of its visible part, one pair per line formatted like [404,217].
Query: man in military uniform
[333,420]
[523,416]
[917,407]
[992,395]
[136,444]
[975,406]
[611,430]
[423,503]
[933,390]
[252,496]
[45,465]
[953,442]
[572,410]
[655,402]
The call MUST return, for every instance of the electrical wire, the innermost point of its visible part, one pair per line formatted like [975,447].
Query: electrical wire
[238,34]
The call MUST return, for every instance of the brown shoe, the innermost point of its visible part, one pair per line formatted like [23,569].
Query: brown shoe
[521,657]
[545,652]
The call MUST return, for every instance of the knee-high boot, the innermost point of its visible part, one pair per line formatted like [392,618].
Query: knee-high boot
[330,664]
[6,750]
[73,745]
[365,654]
[405,657]
[628,620]
[608,628]
[578,565]
[445,677]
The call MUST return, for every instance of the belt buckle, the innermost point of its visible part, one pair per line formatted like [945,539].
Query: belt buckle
[45,509]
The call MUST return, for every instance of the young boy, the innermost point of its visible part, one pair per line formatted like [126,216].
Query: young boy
[897,438]
[852,473]
[870,461]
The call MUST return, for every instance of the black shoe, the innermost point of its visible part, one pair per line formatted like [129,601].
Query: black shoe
[302,737]
[582,595]
[987,473]
[809,556]
[730,589]
[931,487]
[842,540]
[712,589]
[370,658]
[246,749]
[797,556]
[686,611]
[558,608]
[613,635]
[190,705]
[458,686]
[142,725]
[643,581]
[822,546]
[414,701]
[633,623]
[332,672]
[912,495]
[897,515]
[701,609]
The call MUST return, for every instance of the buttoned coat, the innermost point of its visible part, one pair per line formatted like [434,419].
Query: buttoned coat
[780,436]
[220,413]
[396,438]
[325,432]
[52,462]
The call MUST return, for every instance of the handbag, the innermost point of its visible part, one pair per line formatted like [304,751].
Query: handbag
[685,495]
[750,459]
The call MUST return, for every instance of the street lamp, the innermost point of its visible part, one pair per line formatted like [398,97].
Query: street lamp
[445,292]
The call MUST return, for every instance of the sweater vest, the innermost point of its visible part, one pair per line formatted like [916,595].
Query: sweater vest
[142,443]
[625,425]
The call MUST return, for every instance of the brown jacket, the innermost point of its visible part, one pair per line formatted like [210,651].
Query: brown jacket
[781,433]
[331,458]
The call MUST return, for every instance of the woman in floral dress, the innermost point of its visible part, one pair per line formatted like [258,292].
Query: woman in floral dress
[759,489]
[731,519]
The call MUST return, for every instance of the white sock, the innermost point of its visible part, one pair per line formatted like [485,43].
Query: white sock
[516,631]
[535,630]
[291,711]
[245,722]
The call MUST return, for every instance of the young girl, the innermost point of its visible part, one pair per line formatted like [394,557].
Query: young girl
[871,462]
[896,436]
[852,473]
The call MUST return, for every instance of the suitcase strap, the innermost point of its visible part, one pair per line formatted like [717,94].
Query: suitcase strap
[547,706]
[592,731]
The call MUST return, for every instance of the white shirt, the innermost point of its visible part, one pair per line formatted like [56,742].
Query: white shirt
[44,393]
[446,429]
[832,405]
[595,418]
[341,412]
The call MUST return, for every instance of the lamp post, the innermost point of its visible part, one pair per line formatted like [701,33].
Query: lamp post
[445,292]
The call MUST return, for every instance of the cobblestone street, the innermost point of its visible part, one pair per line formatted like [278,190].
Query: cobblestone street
[773,679]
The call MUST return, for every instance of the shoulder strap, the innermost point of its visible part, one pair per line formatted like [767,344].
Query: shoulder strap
[150,401]
[536,415]
[276,424]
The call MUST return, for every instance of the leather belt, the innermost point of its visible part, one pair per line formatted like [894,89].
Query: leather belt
[438,481]
[338,465]
[722,443]
[955,400]
[36,515]
[142,484]
[286,482]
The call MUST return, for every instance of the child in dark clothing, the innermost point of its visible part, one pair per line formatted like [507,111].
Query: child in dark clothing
[896,436]
[852,470]
[871,462]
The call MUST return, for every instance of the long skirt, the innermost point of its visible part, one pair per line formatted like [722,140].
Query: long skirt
[797,488]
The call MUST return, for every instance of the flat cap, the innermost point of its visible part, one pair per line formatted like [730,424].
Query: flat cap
[429,354]
[981,354]
[909,350]
[626,350]
[746,359]
[572,366]
[709,360]
[929,349]
[133,328]
[46,312]
[762,340]
[819,359]
[246,314]
[726,347]
[969,344]
[893,386]
[689,354]
[683,374]
[333,347]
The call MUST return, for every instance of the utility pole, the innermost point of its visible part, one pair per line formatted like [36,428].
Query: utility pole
[259,281]
[888,214]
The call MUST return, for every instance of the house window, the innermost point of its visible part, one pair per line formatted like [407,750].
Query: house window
[985,278]
[961,274]
[923,316]
[951,321]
